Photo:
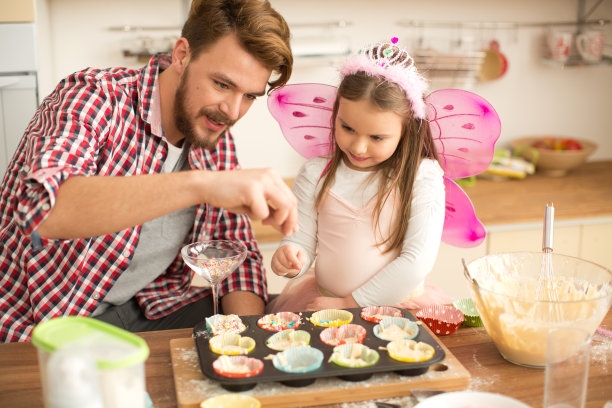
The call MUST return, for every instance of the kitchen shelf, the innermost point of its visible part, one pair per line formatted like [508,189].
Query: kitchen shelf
[576,61]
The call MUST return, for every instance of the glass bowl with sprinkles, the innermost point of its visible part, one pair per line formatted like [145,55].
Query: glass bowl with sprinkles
[331,317]
[279,321]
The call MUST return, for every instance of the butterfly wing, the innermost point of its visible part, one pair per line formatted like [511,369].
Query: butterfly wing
[465,128]
[461,226]
[304,113]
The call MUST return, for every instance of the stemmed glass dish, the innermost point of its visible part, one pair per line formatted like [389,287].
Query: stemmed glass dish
[214,260]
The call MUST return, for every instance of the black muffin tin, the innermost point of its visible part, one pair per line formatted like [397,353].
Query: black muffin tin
[327,369]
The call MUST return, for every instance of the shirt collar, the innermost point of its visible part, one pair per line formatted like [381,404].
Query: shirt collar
[148,91]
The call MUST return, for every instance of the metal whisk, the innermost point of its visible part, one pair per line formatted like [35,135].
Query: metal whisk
[546,289]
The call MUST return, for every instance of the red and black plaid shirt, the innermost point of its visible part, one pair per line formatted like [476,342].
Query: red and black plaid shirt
[98,122]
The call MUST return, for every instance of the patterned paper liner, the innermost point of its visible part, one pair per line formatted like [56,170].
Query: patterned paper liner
[377,313]
[287,339]
[410,351]
[345,334]
[467,307]
[233,400]
[231,344]
[219,324]
[331,317]
[298,359]
[279,321]
[354,355]
[408,326]
[441,319]
[233,366]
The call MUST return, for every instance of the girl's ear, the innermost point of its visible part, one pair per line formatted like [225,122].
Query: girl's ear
[180,54]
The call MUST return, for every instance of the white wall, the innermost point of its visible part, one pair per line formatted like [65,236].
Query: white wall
[532,98]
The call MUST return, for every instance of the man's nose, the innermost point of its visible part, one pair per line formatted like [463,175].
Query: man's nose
[230,107]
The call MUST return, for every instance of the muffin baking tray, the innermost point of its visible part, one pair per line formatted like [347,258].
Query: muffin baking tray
[327,369]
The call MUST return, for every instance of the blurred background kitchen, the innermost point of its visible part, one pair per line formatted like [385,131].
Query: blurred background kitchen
[494,48]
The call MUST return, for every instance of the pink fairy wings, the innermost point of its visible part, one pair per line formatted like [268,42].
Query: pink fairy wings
[464,126]
[304,113]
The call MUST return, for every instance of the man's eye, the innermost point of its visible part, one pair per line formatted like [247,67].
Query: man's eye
[251,97]
[221,85]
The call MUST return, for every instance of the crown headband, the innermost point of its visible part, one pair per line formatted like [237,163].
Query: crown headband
[394,64]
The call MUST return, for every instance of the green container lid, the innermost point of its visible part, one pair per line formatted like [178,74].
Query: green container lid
[111,346]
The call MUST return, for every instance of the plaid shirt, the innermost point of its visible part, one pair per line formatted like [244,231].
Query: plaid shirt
[99,122]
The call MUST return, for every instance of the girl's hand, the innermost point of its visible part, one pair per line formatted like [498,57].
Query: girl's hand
[325,302]
[288,261]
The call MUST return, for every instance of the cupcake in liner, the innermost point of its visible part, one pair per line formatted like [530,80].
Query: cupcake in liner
[231,344]
[376,313]
[233,400]
[219,324]
[237,366]
[467,307]
[396,328]
[441,319]
[279,321]
[287,339]
[331,317]
[410,351]
[298,359]
[354,355]
[345,334]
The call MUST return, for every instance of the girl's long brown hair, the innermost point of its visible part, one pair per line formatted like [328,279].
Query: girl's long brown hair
[398,172]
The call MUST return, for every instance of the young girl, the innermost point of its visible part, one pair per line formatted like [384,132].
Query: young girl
[372,212]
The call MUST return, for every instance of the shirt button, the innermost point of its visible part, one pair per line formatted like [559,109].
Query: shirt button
[45,207]
[26,168]
[159,155]
[126,253]
[96,296]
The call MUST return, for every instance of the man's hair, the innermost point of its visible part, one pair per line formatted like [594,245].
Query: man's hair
[261,30]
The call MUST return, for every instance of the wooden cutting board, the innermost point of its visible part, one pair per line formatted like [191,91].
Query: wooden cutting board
[192,387]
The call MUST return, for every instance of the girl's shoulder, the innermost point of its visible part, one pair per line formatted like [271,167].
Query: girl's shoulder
[429,168]
[313,168]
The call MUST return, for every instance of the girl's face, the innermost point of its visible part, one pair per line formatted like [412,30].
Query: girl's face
[366,135]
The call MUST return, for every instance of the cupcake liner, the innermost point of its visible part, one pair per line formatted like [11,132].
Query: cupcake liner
[405,328]
[233,400]
[279,321]
[441,319]
[219,324]
[410,351]
[287,339]
[331,317]
[345,334]
[376,313]
[467,307]
[354,355]
[298,359]
[237,366]
[231,344]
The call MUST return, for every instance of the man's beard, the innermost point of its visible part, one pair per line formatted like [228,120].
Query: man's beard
[185,125]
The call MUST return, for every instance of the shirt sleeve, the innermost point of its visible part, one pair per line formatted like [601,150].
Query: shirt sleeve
[421,243]
[305,188]
[62,143]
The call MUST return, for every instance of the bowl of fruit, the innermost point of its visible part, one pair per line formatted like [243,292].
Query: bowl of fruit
[553,155]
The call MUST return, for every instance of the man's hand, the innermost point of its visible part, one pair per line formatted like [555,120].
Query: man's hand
[287,261]
[260,194]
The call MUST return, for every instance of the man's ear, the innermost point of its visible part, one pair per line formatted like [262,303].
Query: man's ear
[180,54]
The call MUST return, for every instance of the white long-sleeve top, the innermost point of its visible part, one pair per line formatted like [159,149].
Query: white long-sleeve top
[404,273]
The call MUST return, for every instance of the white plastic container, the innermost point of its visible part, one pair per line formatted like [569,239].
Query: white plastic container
[66,345]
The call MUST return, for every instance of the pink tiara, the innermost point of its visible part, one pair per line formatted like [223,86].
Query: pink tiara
[395,65]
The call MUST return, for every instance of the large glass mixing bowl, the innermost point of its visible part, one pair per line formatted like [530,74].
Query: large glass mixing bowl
[517,313]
